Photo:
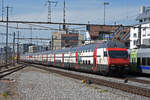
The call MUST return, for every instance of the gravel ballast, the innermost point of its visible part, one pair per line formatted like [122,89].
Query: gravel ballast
[36,84]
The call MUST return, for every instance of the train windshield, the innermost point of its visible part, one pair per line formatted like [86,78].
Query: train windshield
[118,54]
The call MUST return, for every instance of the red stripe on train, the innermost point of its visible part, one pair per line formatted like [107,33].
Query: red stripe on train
[76,66]
[54,59]
[42,59]
[95,57]
[47,59]
[62,59]
[116,49]
[95,60]
[30,56]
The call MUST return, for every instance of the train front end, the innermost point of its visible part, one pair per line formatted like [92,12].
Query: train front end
[118,60]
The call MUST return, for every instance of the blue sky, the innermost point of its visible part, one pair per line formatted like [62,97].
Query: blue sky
[77,11]
[81,11]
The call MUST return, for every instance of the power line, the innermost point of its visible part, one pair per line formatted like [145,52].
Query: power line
[5,34]
[46,28]
[33,38]
[58,23]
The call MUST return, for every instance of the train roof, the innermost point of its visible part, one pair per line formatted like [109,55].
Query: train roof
[143,52]
[102,44]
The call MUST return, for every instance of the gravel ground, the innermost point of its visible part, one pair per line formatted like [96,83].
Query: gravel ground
[8,89]
[110,78]
[36,84]
[143,78]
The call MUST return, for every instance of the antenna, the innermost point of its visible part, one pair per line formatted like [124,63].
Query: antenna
[48,4]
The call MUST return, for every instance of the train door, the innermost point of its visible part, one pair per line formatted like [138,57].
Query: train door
[70,60]
[133,60]
[105,59]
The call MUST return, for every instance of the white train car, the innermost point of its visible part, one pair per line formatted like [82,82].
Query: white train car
[103,57]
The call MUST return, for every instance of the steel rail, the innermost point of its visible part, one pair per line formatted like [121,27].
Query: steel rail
[10,71]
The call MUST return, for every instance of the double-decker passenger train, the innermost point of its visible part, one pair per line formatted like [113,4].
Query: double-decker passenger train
[140,60]
[104,57]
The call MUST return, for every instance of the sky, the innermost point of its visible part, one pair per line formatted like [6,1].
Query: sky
[77,11]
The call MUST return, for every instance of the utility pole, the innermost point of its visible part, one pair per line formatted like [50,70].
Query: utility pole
[64,17]
[49,2]
[14,49]
[105,3]
[2,10]
[18,46]
[7,34]
[31,35]
[139,37]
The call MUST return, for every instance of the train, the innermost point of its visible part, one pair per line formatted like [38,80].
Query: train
[140,60]
[103,57]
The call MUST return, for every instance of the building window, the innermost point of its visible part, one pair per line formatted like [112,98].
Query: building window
[134,35]
[144,35]
[134,42]
[141,21]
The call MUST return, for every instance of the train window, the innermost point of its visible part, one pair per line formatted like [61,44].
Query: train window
[143,61]
[89,62]
[105,54]
[138,61]
[86,62]
[83,61]
[148,61]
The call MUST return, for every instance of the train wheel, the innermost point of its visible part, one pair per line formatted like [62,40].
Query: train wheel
[105,72]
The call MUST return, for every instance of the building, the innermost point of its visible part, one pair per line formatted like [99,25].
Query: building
[140,33]
[24,48]
[144,16]
[109,32]
[62,39]
[97,32]
[32,49]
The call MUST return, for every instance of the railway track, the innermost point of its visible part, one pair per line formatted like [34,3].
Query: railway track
[120,86]
[5,65]
[138,80]
[10,71]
